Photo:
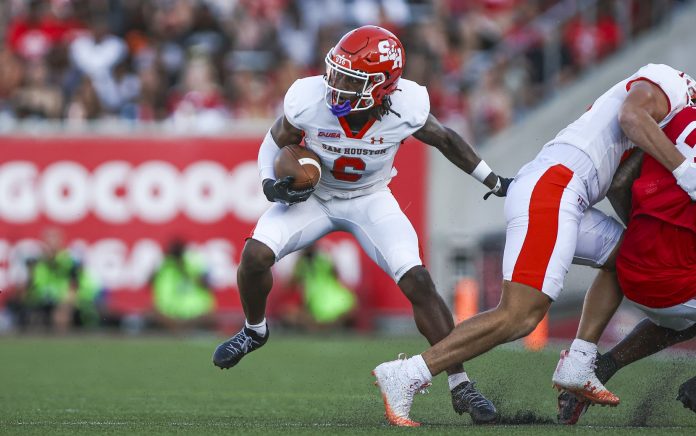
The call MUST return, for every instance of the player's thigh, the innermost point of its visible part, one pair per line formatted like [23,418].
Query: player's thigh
[543,210]
[598,237]
[679,317]
[385,233]
[285,229]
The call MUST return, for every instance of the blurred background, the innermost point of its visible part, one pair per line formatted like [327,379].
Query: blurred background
[129,131]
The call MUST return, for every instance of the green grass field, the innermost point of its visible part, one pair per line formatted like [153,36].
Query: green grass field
[89,385]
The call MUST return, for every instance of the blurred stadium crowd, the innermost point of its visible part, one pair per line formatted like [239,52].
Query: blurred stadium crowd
[196,64]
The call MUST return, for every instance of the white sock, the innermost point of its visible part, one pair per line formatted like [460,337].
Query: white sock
[583,350]
[259,328]
[420,368]
[455,380]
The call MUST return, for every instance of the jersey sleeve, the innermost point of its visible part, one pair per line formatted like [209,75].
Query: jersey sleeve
[421,107]
[669,80]
[294,104]
[412,102]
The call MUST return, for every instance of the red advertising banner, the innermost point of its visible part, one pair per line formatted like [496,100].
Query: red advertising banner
[120,201]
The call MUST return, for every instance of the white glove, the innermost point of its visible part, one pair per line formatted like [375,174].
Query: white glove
[686,177]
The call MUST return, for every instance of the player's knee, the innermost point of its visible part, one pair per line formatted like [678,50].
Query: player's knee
[417,285]
[517,322]
[529,322]
[256,256]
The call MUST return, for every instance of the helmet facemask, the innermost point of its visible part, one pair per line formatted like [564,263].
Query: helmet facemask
[349,90]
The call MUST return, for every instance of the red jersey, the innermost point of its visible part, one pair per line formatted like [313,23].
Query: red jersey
[656,264]
[655,192]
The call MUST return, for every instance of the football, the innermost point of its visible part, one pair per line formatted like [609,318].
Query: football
[299,162]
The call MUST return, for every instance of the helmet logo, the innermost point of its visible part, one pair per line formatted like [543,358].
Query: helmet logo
[343,61]
[390,52]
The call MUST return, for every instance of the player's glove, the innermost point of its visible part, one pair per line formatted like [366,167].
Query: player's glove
[279,191]
[686,177]
[687,394]
[500,188]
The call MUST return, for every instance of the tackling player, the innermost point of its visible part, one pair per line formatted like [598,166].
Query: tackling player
[550,221]
[656,268]
[355,118]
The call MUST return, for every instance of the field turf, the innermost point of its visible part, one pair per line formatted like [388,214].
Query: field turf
[307,385]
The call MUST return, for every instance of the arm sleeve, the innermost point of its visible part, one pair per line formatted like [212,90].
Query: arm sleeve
[267,153]
[669,80]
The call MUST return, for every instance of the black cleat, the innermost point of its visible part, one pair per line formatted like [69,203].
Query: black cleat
[570,407]
[230,352]
[687,394]
[467,399]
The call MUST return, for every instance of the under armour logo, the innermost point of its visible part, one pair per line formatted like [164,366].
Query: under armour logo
[374,140]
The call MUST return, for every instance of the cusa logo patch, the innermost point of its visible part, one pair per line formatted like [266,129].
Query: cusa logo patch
[329,134]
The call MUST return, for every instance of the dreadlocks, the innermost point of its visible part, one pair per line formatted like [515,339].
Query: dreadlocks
[384,109]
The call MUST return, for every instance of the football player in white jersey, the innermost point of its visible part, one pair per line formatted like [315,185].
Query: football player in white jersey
[355,118]
[550,223]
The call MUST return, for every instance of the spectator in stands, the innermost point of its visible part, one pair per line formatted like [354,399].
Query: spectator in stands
[84,104]
[588,41]
[252,96]
[607,31]
[206,35]
[153,94]
[197,103]
[297,33]
[38,98]
[491,105]
[95,54]
[181,294]
[11,76]
[33,34]
[127,90]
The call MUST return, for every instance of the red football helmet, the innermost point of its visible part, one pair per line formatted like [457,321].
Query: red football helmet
[691,85]
[362,69]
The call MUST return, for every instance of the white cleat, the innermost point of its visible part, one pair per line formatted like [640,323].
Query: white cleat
[398,388]
[579,377]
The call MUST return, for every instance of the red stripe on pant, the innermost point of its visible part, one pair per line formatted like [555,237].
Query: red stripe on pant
[542,231]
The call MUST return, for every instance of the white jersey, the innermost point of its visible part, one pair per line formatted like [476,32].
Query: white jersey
[598,133]
[361,163]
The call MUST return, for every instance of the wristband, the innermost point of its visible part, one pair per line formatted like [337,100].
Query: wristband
[681,169]
[482,171]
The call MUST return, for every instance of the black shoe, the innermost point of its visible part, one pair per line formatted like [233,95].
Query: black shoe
[467,399]
[687,394]
[230,352]
[570,407]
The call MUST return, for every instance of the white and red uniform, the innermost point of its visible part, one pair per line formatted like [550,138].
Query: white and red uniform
[352,194]
[656,264]
[547,204]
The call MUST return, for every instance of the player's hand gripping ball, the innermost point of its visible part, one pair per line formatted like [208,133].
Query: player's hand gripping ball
[300,163]
[298,170]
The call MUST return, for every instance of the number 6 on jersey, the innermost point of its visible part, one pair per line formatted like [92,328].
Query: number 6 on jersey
[348,169]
